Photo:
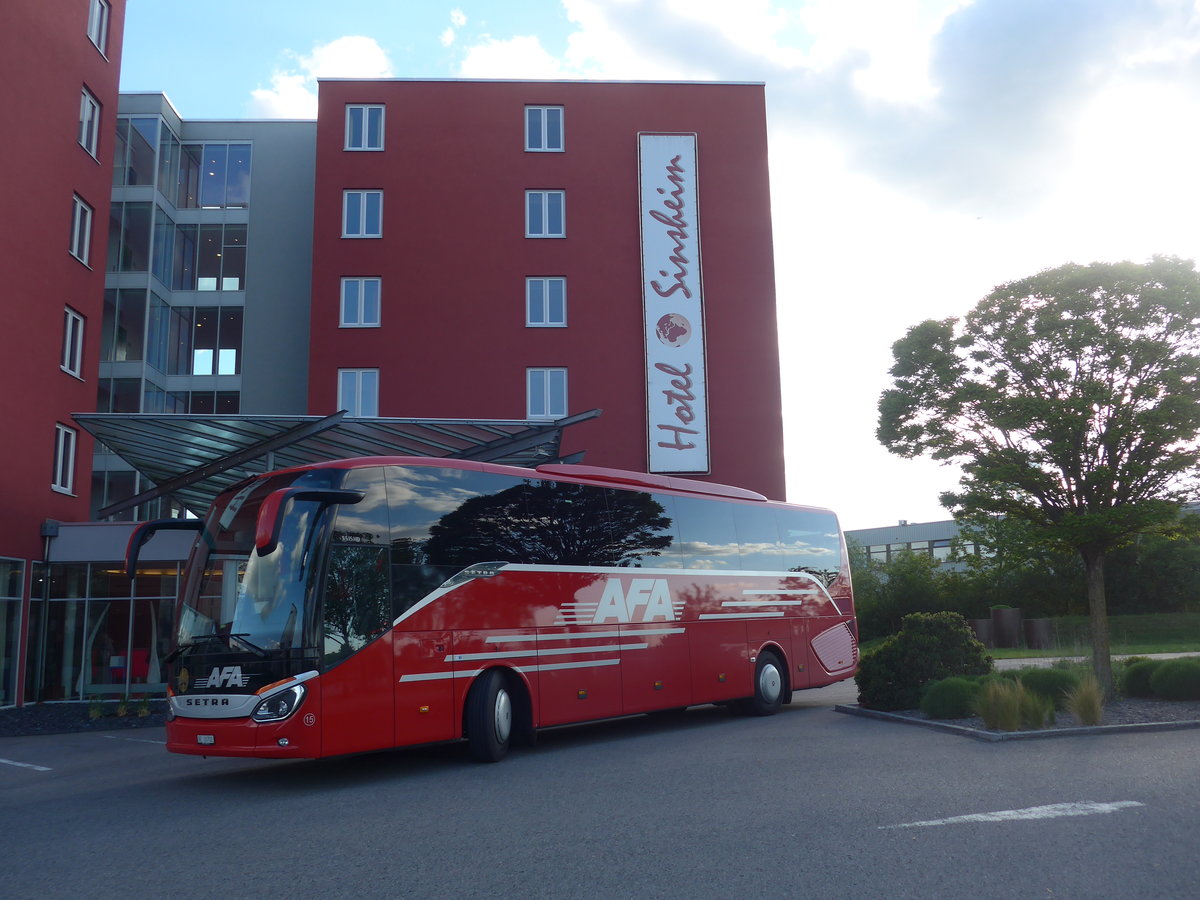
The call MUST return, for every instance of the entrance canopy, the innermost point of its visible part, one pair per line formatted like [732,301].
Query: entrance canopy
[193,458]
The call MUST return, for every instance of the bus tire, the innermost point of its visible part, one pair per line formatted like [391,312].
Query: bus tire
[770,684]
[489,717]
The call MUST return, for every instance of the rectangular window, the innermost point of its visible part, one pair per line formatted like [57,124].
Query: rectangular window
[546,393]
[358,392]
[364,127]
[72,349]
[89,122]
[360,302]
[545,214]
[64,460]
[81,230]
[97,27]
[362,214]
[545,302]
[544,128]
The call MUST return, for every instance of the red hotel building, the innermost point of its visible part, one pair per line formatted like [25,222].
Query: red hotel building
[532,249]
[62,62]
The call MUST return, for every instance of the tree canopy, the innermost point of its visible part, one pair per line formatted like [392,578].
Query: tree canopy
[1071,400]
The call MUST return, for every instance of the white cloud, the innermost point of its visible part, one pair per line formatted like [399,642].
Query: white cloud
[457,18]
[293,92]
[518,57]
[447,37]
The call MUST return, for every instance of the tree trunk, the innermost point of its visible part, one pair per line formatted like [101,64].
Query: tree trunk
[1093,562]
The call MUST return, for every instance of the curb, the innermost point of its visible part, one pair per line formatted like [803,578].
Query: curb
[996,736]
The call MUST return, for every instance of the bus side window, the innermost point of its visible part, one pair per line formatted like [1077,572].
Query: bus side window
[811,542]
[642,527]
[443,520]
[758,537]
[706,534]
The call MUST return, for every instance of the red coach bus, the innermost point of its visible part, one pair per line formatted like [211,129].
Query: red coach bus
[381,602]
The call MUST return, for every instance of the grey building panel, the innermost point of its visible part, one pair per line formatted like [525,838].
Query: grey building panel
[278,260]
[902,534]
[106,542]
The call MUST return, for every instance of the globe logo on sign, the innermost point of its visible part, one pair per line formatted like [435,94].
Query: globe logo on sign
[673,330]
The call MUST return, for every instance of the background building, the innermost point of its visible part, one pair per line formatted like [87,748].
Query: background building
[208,267]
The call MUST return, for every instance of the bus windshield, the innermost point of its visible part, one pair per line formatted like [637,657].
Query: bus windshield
[254,603]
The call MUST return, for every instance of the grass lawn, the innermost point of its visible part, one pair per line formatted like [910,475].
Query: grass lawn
[1129,635]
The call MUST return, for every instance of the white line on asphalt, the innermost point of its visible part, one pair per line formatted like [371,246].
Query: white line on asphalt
[113,737]
[1053,811]
[10,762]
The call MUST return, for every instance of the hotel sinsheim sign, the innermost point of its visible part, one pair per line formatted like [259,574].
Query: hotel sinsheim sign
[676,403]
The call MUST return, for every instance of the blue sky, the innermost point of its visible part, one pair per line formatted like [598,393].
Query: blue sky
[922,151]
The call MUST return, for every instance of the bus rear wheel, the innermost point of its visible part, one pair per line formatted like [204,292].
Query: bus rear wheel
[769,686]
[489,717]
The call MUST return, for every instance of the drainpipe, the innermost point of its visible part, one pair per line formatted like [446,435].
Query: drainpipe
[49,533]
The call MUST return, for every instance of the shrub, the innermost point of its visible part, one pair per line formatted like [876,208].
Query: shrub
[1086,701]
[1006,705]
[1053,684]
[1135,679]
[1177,679]
[950,698]
[928,647]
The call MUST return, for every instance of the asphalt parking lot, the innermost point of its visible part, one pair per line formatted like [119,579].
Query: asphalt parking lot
[808,803]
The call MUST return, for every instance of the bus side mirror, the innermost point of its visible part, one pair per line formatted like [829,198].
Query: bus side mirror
[270,514]
[146,530]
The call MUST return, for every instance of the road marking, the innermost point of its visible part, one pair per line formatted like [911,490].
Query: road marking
[1053,811]
[21,765]
[113,737]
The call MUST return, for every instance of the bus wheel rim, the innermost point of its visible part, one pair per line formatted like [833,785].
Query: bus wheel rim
[503,716]
[770,684]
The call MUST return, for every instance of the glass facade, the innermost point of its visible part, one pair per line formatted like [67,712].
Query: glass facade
[179,229]
[12,581]
[97,634]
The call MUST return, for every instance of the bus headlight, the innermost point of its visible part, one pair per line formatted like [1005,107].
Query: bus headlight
[279,706]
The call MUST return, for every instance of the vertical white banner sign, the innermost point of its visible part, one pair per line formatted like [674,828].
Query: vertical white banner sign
[672,299]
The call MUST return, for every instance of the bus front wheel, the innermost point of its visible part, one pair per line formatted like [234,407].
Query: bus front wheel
[489,717]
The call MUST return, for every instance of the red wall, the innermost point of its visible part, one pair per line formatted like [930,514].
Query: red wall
[46,59]
[454,259]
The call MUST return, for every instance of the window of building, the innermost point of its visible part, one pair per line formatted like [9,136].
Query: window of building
[362,214]
[360,302]
[358,391]
[89,122]
[129,237]
[545,393]
[216,340]
[72,348]
[364,127]
[545,214]
[221,258]
[545,302]
[97,27]
[134,151]
[81,230]
[64,460]
[544,128]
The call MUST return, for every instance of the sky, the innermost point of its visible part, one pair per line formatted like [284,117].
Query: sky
[922,152]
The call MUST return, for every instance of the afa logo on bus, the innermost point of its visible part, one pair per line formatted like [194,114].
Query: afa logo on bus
[647,600]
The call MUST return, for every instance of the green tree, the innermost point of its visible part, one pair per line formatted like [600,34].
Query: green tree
[1070,400]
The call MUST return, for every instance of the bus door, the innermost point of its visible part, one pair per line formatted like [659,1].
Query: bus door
[424,696]
[356,690]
